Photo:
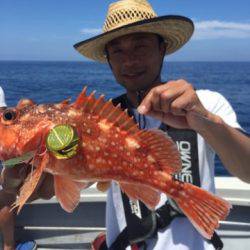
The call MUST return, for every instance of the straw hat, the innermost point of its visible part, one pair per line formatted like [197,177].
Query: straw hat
[131,16]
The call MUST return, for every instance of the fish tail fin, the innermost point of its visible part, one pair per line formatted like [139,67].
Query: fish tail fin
[202,208]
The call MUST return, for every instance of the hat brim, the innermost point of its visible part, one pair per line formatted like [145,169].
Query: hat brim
[175,30]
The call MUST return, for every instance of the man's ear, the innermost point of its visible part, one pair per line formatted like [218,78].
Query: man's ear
[109,63]
[162,49]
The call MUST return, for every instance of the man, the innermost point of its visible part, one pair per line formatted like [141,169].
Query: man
[7,217]
[134,43]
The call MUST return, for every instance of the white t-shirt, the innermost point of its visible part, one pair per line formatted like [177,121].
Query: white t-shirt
[2,104]
[2,98]
[180,234]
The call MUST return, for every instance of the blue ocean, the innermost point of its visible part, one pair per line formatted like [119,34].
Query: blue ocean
[49,82]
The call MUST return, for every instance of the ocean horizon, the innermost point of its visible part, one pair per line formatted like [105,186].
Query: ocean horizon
[54,81]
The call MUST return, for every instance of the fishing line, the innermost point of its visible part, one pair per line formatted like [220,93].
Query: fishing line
[141,118]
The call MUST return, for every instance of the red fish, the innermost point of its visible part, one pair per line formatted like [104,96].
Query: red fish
[111,147]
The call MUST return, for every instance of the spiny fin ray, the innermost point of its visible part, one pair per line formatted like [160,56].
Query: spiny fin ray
[105,110]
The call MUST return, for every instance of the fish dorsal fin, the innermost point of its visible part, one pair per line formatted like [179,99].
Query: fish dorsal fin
[65,102]
[68,192]
[146,194]
[25,103]
[161,150]
[105,111]
[81,99]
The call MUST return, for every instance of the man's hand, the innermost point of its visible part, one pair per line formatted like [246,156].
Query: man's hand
[13,178]
[176,104]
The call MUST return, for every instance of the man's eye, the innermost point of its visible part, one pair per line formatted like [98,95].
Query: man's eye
[141,46]
[116,51]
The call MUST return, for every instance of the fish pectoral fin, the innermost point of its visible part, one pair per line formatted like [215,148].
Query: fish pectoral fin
[30,184]
[149,196]
[163,150]
[68,192]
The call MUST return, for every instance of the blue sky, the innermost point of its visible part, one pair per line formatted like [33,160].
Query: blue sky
[47,29]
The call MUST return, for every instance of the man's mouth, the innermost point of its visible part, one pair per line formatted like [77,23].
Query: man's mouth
[133,74]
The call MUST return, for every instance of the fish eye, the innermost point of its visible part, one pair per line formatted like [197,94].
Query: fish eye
[9,115]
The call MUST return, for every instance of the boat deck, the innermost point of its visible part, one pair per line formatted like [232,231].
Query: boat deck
[52,228]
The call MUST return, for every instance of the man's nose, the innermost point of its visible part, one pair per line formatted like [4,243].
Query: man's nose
[129,58]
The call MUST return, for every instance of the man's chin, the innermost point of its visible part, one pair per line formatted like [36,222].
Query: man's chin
[135,86]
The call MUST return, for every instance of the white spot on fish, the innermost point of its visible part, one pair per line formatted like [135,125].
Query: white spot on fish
[91,166]
[88,131]
[132,143]
[25,117]
[103,140]
[185,204]
[72,113]
[97,148]
[99,160]
[41,109]
[171,191]
[104,125]
[137,160]
[151,159]
[183,193]
[106,154]
[124,163]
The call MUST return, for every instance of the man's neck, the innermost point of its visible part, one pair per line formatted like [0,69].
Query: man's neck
[135,97]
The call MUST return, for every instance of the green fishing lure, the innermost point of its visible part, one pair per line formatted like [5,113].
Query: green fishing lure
[62,141]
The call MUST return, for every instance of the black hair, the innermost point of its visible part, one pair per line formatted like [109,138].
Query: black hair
[160,39]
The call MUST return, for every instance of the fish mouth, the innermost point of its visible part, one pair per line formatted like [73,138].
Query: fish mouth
[5,155]
[25,158]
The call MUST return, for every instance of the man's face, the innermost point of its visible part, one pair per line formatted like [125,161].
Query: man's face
[136,60]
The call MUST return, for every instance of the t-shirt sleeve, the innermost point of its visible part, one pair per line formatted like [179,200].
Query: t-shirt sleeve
[219,105]
[2,98]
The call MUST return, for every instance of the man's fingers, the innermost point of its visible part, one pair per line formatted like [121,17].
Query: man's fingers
[155,101]
[45,189]
[182,104]
[170,119]
[152,100]
[103,186]
[145,106]
[161,97]
[11,179]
